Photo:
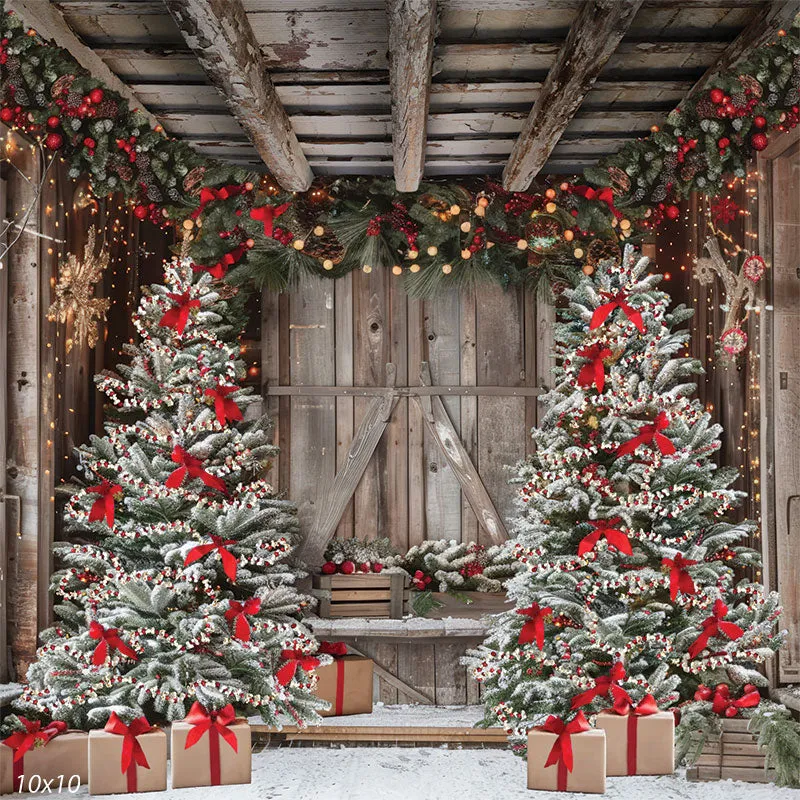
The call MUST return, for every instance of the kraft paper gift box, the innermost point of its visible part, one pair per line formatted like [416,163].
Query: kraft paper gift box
[57,766]
[347,685]
[210,760]
[588,772]
[639,744]
[106,775]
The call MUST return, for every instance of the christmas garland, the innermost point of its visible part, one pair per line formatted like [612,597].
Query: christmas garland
[246,228]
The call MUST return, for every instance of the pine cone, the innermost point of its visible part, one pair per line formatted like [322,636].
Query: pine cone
[324,247]
[602,250]
[622,183]
[193,179]
[61,86]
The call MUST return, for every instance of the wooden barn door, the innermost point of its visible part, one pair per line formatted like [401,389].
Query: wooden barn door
[335,335]
[779,214]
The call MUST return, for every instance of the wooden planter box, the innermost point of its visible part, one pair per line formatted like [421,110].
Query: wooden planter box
[373,595]
[482,603]
[734,755]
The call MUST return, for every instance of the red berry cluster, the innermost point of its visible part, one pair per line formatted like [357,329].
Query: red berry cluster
[421,580]
[478,240]
[398,220]
[685,146]
[283,236]
[149,211]
[129,146]
[727,109]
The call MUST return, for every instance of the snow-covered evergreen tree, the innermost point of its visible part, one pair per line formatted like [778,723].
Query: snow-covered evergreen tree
[176,586]
[633,577]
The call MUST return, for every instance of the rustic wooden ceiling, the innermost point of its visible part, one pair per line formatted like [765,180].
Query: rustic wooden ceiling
[329,64]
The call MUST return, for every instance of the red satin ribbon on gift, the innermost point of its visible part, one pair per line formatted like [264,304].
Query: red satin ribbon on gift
[267,214]
[216,723]
[108,640]
[605,195]
[714,626]
[614,536]
[679,578]
[561,751]
[177,316]
[594,372]
[220,269]
[624,707]
[22,741]
[533,629]
[209,195]
[650,434]
[335,649]
[603,685]
[338,650]
[238,613]
[618,300]
[132,753]
[294,659]
[193,467]
[104,505]
[219,544]
[225,408]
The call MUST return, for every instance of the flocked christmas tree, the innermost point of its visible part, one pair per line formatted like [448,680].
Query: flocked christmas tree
[177,585]
[634,579]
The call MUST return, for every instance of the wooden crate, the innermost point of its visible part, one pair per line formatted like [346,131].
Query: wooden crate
[735,755]
[374,595]
[482,603]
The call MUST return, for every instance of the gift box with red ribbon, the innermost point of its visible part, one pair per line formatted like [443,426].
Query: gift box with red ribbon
[567,756]
[127,757]
[210,748]
[346,683]
[44,758]
[640,738]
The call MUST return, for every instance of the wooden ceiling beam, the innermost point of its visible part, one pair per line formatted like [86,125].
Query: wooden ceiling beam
[412,31]
[592,40]
[219,34]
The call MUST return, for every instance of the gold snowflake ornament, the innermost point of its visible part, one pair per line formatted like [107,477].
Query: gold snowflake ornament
[74,293]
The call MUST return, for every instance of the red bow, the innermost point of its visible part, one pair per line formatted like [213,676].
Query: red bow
[604,196]
[208,195]
[177,316]
[204,720]
[335,649]
[225,408]
[104,505]
[533,629]
[238,614]
[267,215]
[22,741]
[679,578]
[193,467]
[624,706]
[219,544]
[714,626]
[594,371]
[561,751]
[220,269]
[723,704]
[132,752]
[603,685]
[294,659]
[108,640]
[614,536]
[618,300]
[650,434]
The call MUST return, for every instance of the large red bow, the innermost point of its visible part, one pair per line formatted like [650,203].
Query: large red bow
[614,536]
[267,215]
[561,751]
[132,752]
[724,704]
[193,467]
[593,372]
[225,408]
[605,195]
[177,316]
[104,505]
[219,544]
[533,629]
[220,269]
[204,720]
[714,626]
[294,659]
[22,741]
[650,434]
[238,613]
[208,195]
[108,640]
[603,685]
[625,705]
[618,300]
[335,649]
[679,578]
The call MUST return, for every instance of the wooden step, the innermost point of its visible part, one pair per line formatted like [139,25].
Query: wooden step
[369,735]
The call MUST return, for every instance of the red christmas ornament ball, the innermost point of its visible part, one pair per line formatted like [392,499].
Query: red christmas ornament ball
[760,122]
[328,568]
[6,115]
[377,567]
[96,95]
[53,122]
[723,142]
[717,96]
[673,212]
[347,567]
[140,212]
[53,141]
[363,567]
[759,141]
